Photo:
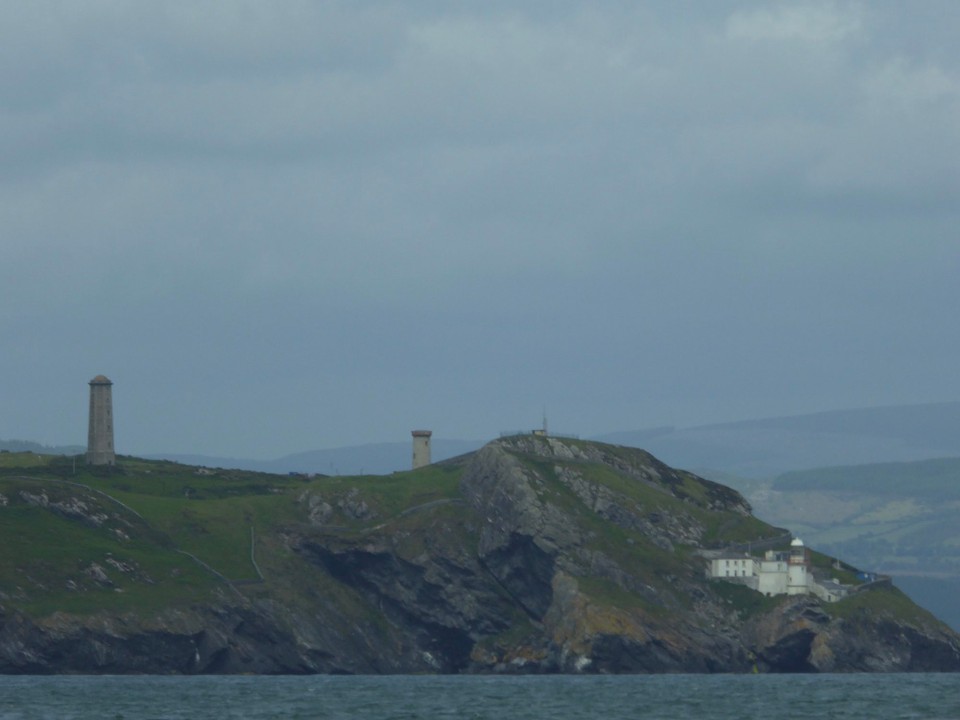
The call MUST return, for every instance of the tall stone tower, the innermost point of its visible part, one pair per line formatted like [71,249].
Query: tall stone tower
[100,430]
[421,448]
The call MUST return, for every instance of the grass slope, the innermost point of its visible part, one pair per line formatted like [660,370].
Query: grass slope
[152,535]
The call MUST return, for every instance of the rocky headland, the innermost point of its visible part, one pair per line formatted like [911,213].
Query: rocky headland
[533,555]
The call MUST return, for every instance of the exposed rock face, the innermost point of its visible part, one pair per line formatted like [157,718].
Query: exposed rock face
[803,637]
[557,557]
[210,640]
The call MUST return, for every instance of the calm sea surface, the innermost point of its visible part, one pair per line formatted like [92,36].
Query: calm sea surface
[691,697]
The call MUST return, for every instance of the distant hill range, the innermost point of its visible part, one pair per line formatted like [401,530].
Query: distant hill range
[35,447]
[768,447]
[370,459]
[754,449]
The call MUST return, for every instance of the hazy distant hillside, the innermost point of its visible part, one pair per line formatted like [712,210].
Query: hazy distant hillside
[936,479]
[35,447]
[371,459]
[768,447]
[898,518]
[753,449]
[893,516]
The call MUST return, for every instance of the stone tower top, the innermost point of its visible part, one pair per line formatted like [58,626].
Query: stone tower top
[101,380]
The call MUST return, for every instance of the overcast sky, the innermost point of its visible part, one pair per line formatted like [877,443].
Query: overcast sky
[295,225]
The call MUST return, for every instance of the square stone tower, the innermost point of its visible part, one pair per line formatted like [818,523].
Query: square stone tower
[100,429]
[421,448]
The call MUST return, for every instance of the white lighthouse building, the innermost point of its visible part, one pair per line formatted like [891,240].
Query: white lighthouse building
[776,573]
[798,569]
[772,573]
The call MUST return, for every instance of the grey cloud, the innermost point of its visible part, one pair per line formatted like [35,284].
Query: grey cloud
[351,214]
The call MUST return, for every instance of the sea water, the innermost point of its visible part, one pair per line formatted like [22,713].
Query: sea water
[690,697]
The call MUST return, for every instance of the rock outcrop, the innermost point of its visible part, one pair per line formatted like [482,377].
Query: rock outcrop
[553,556]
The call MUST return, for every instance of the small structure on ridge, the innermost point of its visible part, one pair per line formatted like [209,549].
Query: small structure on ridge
[421,448]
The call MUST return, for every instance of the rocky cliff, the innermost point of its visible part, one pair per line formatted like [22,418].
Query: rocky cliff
[534,554]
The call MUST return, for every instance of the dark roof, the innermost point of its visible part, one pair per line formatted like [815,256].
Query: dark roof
[101,380]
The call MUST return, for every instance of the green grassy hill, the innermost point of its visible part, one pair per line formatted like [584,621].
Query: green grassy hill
[164,534]
[532,554]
